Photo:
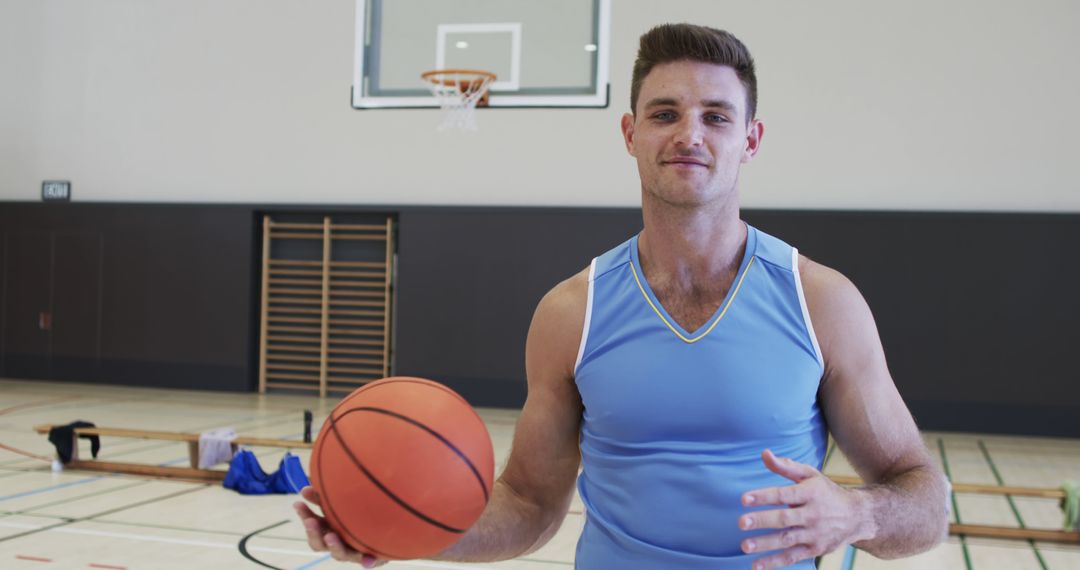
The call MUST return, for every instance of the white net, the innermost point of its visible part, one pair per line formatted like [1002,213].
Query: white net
[458,92]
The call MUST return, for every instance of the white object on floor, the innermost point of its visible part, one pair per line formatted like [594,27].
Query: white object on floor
[215,446]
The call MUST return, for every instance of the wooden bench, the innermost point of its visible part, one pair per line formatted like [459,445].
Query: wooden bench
[989,531]
[190,473]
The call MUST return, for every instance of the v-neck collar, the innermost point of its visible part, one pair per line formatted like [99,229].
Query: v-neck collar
[658,308]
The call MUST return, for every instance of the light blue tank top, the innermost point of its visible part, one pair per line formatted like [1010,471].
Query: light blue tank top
[675,421]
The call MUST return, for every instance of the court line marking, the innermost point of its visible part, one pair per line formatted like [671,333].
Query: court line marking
[32,558]
[50,488]
[313,562]
[242,545]
[67,521]
[32,508]
[1012,504]
[955,505]
[152,538]
[38,403]
[224,545]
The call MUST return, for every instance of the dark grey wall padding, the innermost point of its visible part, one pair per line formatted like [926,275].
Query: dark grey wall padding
[977,311]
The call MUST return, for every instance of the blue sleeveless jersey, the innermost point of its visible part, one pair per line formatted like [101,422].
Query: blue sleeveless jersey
[675,421]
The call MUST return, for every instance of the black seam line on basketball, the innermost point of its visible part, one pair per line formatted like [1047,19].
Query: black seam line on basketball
[422,383]
[68,521]
[439,436]
[242,545]
[326,503]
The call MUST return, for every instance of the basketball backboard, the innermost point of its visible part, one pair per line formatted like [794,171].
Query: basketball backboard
[550,53]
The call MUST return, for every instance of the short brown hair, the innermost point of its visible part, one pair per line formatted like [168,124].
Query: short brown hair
[674,42]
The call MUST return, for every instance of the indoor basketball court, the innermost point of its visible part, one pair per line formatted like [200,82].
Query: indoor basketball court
[221,220]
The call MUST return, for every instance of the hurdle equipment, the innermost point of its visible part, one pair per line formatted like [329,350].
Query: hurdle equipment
[193,473]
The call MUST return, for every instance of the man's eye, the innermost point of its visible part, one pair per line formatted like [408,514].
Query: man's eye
[716,118]
[664,116]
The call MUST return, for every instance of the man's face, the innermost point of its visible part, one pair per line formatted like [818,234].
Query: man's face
[689,133]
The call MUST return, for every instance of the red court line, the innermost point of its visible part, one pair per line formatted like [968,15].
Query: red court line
[34,558]
[26,453]
[38,403]
[93,565]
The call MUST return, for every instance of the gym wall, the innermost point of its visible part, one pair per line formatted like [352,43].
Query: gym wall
[916,105]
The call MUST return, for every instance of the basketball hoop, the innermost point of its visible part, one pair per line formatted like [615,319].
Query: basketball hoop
[459,92]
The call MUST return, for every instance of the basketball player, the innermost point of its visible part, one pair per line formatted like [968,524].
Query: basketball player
[692,372]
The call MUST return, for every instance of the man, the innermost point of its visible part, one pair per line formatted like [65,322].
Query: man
[673,368]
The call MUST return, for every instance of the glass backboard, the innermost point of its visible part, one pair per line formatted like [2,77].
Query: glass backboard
[545,53]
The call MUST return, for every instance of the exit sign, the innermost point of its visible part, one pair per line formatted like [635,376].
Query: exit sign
[56,190]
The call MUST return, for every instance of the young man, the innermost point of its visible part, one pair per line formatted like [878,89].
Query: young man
[692,371]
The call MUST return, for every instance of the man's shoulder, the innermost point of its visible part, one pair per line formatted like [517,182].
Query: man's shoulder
[841,317]
[567,299]
[556,330]
[826,288]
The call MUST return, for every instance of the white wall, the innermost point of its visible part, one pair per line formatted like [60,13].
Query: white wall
[919,104]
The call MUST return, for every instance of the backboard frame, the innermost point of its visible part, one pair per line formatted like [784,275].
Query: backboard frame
[599,98]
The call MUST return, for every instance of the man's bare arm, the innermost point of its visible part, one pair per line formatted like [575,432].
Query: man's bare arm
[531,497]
[906,496]
[533,494]
[902,508]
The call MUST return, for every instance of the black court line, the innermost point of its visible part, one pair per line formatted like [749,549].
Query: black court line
[31,509]
[242,545]
[68,521]
[195,530]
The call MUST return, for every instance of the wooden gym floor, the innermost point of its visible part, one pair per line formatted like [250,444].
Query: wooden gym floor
[90,520]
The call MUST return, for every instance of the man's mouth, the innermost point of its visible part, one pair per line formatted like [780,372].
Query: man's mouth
[685,161]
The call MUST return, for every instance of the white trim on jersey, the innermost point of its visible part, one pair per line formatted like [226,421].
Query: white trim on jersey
[588,317]
[805,309]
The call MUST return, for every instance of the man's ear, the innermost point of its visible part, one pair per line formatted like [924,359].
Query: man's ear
[753,140]
[628,132]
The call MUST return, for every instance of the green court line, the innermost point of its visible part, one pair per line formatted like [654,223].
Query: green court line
[956,507]
[1012,504]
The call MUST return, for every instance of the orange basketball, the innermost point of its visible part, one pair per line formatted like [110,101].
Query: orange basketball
[404,467]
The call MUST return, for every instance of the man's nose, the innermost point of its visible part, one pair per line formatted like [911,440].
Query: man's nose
[689,132]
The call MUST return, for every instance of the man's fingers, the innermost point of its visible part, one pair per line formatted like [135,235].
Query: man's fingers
[787,539]
[778,518]
[341,552]
[311,495]
[304,511]
[789,495]
[783,559]
[787,468]
[314,530]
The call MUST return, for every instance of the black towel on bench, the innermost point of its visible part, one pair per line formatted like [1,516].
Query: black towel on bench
[60,436]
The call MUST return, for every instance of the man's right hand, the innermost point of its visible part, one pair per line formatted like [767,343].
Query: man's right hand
[322,539]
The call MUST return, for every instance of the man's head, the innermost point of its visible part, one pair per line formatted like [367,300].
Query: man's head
[674,42]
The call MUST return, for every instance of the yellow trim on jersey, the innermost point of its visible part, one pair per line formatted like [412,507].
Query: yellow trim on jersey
[718,318]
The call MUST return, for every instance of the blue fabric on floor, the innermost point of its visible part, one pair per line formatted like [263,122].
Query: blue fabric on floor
[247,477]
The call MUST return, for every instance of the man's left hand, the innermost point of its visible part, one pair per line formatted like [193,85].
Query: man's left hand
[818,516]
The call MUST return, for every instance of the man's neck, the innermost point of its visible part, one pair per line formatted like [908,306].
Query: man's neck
[691,248]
